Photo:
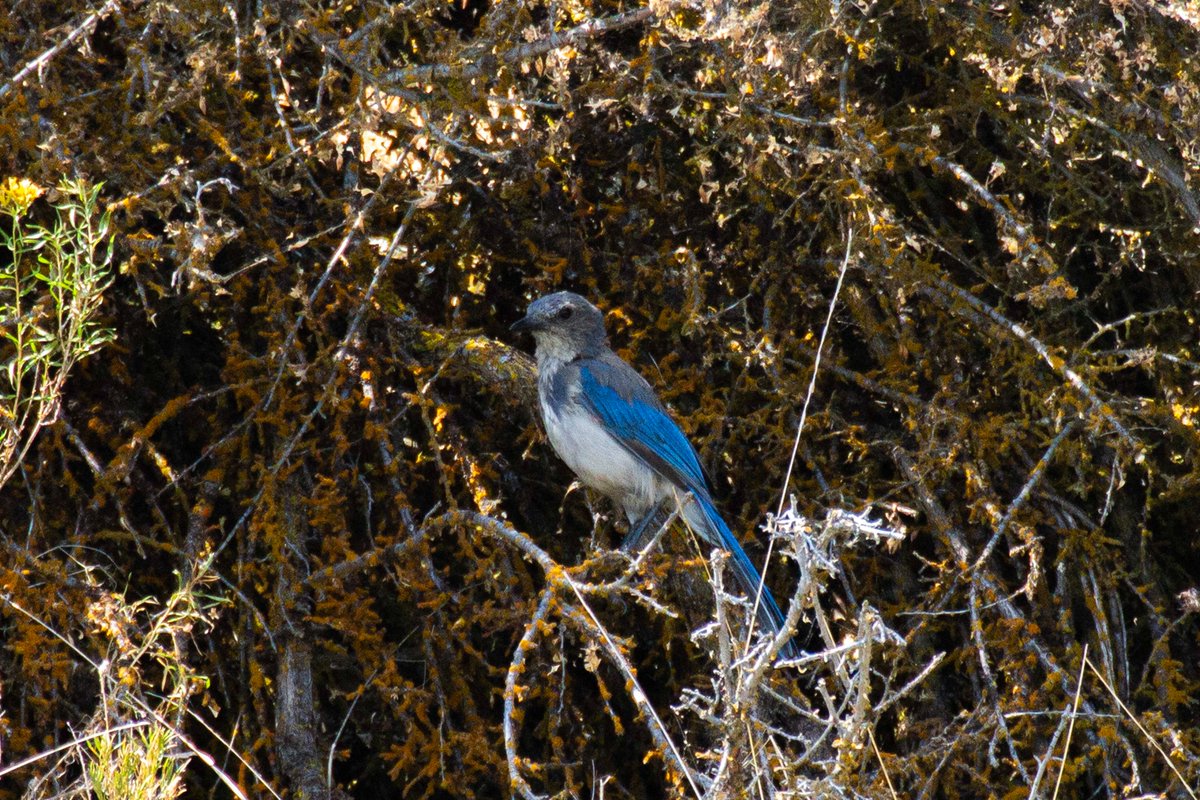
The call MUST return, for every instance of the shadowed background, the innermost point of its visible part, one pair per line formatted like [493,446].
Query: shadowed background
[326,217]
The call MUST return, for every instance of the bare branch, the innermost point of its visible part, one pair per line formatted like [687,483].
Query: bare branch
[82,28]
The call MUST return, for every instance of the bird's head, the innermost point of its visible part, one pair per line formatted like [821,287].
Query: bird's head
[564,325]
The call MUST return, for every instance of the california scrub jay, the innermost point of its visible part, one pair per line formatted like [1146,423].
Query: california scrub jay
[605,421]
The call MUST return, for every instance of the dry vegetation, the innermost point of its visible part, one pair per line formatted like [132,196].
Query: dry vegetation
[288,527]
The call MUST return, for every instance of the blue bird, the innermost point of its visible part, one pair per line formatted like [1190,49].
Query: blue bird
[605,421]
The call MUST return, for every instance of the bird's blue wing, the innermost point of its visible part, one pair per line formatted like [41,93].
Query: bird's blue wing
[627,407]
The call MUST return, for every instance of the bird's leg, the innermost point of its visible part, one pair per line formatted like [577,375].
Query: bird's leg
[640,532]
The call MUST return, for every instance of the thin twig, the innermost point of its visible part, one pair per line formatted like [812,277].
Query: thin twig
[41,61]
[882,766]
[1129,714]
[1071,725]
[658,731]
[812,385]
[812,381]
[4,770]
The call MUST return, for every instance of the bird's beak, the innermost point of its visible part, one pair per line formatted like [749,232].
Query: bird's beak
[525,324]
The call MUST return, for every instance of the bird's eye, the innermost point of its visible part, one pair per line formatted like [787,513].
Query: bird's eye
[565,312]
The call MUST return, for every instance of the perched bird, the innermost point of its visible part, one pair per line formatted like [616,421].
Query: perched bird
[605,421]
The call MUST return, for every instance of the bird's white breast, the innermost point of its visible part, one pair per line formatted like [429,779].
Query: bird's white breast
[597,458]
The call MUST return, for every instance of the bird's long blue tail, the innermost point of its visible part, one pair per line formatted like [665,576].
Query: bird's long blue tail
[717,532]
